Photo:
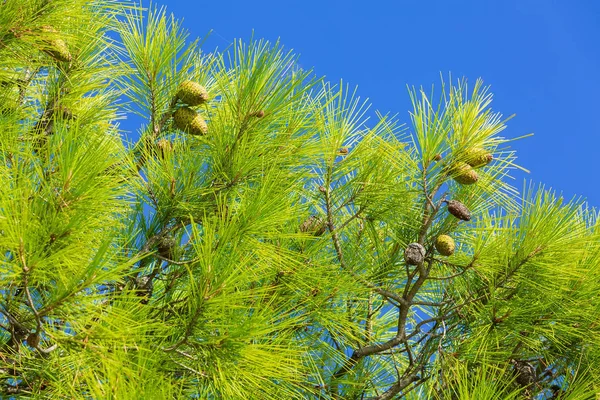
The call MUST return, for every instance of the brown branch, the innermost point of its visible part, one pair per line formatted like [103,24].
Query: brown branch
[445,278]
[31,303]
[398,386]
[405,304]
[428,218]
[410,291]
[177,262]
[352,218]
[447,314]
[146,140]
[431,303]
[26,271]
[338,249]
[368,321]
[164,118]
[196,372]
[332,230]
[427,197]
[188,330]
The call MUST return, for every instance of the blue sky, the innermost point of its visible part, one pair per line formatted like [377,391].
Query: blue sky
[541,58]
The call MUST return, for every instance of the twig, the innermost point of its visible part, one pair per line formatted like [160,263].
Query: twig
[440,348]
[352,218]
[26,271]
[200,373]
[177,262]
[188,330]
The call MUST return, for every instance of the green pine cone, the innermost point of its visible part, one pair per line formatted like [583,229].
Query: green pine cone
[192,93]
[444,244]
[190,121]
[478,157]
[56,47]
[464,174]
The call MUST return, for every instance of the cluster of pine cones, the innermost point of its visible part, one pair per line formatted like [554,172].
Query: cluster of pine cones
[185,118]
[193,94]
[463,172]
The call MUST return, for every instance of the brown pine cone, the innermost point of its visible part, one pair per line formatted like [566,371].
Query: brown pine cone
[414,254]
[314,224]
[459,210]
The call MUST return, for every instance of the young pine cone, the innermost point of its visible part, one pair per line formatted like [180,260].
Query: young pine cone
[464,174]
[414,254]
[192,93]
[190,121]
[314,224]
[444,244]
[459,210]
[259,114]
[478,157]
[56,47]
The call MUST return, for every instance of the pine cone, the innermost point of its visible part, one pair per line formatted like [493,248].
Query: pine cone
[259,114]
[444,244]
[165,147]
[190,121]
[343,151]
[56,48]
[414,254]
[459,210]
[33,339]
[314,224]
[165,247]
[525,372]
[464,174]
[59,50]
[478,157]
[144,288]
[437,157]
[192,93]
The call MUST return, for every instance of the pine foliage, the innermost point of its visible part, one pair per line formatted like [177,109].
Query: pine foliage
[265,257]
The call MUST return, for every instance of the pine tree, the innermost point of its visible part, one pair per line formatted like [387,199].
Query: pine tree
[257,239]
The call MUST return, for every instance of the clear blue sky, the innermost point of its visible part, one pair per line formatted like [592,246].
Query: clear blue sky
[541,57]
